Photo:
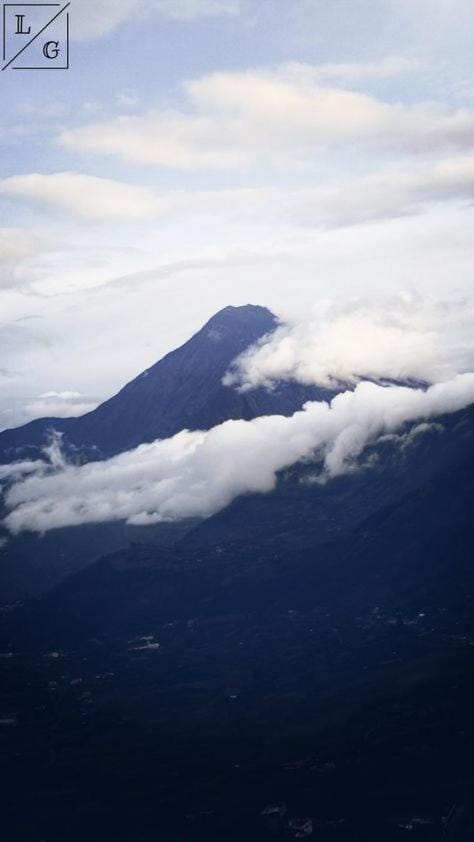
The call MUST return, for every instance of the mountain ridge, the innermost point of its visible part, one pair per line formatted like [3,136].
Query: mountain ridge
[312,647]
[287,547]
[182,390]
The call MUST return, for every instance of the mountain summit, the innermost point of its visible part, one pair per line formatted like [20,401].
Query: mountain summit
[183,390]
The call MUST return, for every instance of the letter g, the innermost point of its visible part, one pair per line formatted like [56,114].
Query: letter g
[51,51]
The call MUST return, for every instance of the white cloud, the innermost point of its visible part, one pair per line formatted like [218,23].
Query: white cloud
[396,191]
[191,9]
[199,473]
[83,196]
[18,249]
[235,120]
[96,18]
[16,470]
[400,338]
[65,404]
[347,72]
[127,99]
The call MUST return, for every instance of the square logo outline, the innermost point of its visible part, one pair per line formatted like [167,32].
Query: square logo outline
[25,47]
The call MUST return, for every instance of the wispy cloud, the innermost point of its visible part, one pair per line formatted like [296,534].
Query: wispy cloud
[83,196]
[391,192]
[59,405]
[388,67]
[235,120]
[18,249]
[53,404]
[96,18]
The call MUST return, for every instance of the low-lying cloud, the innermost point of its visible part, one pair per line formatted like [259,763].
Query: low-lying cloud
[199,473]
[405,337]
[67,404]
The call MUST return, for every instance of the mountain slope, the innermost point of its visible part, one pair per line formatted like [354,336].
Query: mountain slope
[302,513]
[183,390]
[311,647]
[372,536]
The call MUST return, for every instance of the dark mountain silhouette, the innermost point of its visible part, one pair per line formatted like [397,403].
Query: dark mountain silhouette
[31,564]
[183,390]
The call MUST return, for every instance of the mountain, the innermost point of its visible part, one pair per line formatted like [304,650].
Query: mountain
[301,661]
[303,653]
[183,390]
[301,512]
[32,564]
[375,535]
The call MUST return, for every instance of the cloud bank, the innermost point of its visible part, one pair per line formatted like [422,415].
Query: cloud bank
[199,473]
[400,338]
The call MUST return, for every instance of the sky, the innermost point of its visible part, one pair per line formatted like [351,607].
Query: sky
[313,156]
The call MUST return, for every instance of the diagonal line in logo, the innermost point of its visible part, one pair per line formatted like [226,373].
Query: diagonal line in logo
[35,37]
